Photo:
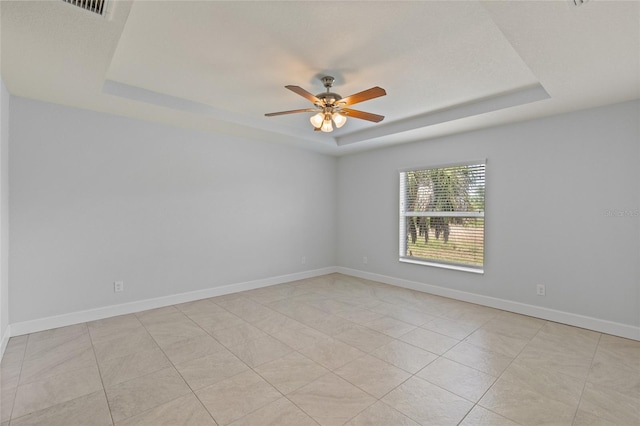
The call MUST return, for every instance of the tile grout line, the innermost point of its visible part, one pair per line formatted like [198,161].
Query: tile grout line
[412,375]
[286,396]
[193,392]
[252,368]
[175,368]
[15,393]
[63,402]
[498,378]
[269,334]
[331,336]
[586,378]
[329,370]
[104,389]
[249,368]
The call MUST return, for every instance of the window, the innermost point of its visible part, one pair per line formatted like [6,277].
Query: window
[442,216]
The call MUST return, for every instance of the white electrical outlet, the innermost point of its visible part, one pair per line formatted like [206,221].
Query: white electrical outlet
[541,290]
[365,260]
[303,260]
[118,286]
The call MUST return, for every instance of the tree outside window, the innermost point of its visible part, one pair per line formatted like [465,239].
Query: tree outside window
[442,215]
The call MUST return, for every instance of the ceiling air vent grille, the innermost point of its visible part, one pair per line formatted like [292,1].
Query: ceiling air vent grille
[95,6]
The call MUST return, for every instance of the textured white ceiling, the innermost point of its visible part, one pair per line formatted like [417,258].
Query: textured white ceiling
[218,66]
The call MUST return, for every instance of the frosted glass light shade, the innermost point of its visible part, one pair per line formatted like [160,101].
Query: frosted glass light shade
[316,120]
[339,119]
[326,126]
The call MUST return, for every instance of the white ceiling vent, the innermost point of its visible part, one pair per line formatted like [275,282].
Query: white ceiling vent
[95,6]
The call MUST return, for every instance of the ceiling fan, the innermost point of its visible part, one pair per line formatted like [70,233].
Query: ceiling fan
[330,107]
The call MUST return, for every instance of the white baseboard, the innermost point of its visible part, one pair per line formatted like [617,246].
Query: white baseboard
[4,340]
[582,321]
[603,326]
[64,320]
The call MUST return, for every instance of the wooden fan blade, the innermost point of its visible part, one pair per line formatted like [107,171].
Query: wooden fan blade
[362,115]
[293,111]
[374,92]
[300,91]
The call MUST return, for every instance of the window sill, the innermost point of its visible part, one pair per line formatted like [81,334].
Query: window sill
[442,265]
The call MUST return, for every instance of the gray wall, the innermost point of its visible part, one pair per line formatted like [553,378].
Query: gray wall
[549,185]
[98,198]
[4,210]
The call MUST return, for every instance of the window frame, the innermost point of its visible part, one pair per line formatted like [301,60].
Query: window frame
[402,221]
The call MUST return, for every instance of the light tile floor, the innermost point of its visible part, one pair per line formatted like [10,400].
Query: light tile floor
[332,350]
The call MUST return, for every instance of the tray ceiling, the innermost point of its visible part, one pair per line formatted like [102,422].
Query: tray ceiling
[219,66]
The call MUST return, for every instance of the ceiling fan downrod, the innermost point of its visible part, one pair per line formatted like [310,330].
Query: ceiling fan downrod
[328,99]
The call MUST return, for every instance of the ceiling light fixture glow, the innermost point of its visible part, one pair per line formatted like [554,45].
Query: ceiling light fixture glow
[327,118]
[338,119]
[316,120]
[326,125]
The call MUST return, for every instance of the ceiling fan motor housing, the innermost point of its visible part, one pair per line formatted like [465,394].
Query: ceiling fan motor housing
[328,98]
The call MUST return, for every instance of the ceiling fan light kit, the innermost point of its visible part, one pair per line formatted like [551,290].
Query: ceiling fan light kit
[330,107]
[326,126]
[325,120]
[317,120]
[338,119]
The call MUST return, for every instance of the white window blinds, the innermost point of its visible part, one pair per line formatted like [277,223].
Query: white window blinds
[442,215]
